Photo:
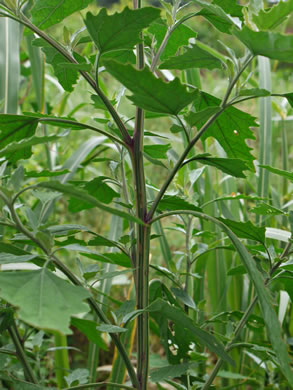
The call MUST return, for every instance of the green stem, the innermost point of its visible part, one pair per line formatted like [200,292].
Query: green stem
[28,371]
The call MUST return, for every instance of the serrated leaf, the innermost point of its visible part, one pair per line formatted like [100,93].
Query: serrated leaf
[169,372]
[89,328]
[97,188]
[266,209]
[231,128]
[149,92]
[56,300]
[14,128]
[102,241]
[179,37]
[157,151]
[271,18]
[173,202]
[280,172]
[123,56]
[231,166]
[193,57]
[181,319]
[267,43]
[245,230]
[197,118]
[120,30]
[84,196]
[66,77]
[47,13]
[111,328]
[183,297]
[231,7]
[216,16]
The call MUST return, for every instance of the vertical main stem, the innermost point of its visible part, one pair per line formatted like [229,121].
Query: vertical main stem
[143,236]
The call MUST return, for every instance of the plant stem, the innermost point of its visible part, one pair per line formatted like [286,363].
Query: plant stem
[28,371]
[61,359]
[143,235]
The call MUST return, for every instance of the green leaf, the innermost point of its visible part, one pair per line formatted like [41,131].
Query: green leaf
[271,18]
[231,129]
[193,57]
[120,30]
[66,77]
[280,172]
[200,117]
[96,188]
[14,128]
[149,92]
[84,196]
[230,7]
[18,252]
[289,97]
[266,209]
[46,173]
[89,328]
[123,56]
[245,230]
[7,258]
[173,202]
[47,13]
[23,150]
[231,166]
[111,328]
[169,372]
[179,37]
[157,151]
[53,304]
[267,43]
[102,241]
[181,319]
[113,258]
[183,297]
[216,16]
[79,67]
[80,376]
[254,92]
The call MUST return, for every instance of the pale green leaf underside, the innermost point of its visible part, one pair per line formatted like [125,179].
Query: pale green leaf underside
[51,307]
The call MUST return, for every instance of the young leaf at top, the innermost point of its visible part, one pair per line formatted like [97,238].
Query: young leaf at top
[271,18]
[267,43]
[179,37]
[120,30]
[51,307]
[47,13]
[149,92]
[246,230]
[194,57]
[231,166]
[216,16]
[231,128]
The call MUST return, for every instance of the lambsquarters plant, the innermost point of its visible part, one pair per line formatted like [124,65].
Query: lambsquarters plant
[152,53]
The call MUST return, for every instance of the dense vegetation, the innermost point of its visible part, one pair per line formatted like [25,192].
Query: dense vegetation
[146,210]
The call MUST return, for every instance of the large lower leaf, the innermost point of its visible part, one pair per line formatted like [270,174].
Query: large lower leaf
[267,43]
[149,92]
[194,57]
[120,30]
[14,128]
[47,13]
[44,300]
[84,196]
[231,129]
[178,316]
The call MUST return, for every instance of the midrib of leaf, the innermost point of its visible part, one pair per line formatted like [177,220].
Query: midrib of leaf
[51,13]
[16,130]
